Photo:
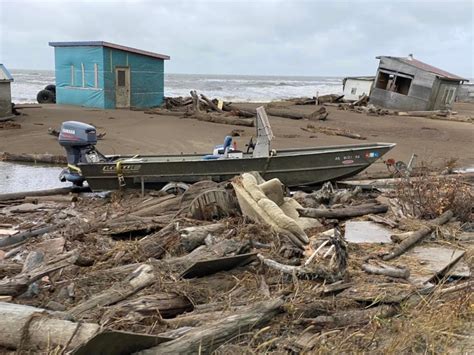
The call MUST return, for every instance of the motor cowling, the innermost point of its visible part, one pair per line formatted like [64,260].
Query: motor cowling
[78,139]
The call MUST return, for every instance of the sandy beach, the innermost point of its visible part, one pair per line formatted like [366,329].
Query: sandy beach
[135,132]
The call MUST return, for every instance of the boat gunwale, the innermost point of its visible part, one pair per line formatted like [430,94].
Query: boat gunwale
[289,152]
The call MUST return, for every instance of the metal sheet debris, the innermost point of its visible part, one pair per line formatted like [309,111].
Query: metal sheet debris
[119,343]
[433,261]
[366,232]
[208,267]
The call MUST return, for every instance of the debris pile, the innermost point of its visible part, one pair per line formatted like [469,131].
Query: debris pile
[236,267]
[200,107]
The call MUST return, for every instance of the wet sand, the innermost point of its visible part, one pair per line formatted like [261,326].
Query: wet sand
[134,132]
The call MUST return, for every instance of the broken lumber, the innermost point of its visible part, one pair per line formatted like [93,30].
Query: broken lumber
[9,268]
[442,113]
[192,237]
[166,304]
[205,339]
[18,284]
[418,236]
[21,237]
[345,212]
[140,278]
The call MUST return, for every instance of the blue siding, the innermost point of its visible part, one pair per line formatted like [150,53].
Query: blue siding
[146,77]
[70,88]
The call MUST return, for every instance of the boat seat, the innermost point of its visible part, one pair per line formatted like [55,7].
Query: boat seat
[219,149]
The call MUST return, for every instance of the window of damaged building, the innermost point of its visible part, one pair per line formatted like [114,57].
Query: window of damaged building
[394,81]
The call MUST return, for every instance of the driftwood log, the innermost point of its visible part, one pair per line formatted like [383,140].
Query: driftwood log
[345,212]
[219,118]
[386,270]
[142,277]
[238,112]
[207,338]
[34,158]
[355,317]
[49,192]
[316,115]
[24,327]
[333,132]
[418,236]
[52,198]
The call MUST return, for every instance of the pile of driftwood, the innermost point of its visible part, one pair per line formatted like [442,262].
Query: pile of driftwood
[235,267]
[318,100]
[202,108]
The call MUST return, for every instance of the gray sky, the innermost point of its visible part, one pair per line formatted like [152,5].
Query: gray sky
[291,37]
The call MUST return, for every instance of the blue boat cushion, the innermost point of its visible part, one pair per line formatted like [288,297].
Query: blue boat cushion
[211,157]
[220,149]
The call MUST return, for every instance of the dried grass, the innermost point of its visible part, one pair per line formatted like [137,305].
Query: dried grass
[429,196]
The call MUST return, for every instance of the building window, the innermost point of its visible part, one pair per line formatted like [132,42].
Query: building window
[121,78]
[83,75]
[353,91]
[96,75]
[393,81]
[72,75]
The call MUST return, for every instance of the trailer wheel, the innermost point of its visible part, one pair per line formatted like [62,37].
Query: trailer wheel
[51,87]
[46,97]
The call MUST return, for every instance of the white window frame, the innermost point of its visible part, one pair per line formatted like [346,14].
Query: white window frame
[72,74]
[96,75]
[83,75]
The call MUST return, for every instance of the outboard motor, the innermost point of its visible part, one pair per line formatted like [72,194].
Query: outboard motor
[79,140]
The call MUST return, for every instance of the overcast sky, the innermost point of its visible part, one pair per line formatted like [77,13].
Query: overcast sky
[292,37]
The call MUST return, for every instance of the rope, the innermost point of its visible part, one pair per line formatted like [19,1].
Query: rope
[25,331]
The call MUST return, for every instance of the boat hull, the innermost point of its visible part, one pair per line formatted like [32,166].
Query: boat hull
[294,167]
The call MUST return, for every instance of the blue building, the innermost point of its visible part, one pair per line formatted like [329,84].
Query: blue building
[106,75]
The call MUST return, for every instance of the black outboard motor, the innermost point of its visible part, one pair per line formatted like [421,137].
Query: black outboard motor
[79,140]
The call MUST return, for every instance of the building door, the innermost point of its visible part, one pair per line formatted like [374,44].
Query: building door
[446,95]
[122,87]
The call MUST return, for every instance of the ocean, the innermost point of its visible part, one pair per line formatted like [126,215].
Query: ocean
[236,88]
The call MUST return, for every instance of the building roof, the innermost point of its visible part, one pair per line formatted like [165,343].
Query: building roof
[365,78]
[109,45]
[426,67]
[5,74]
